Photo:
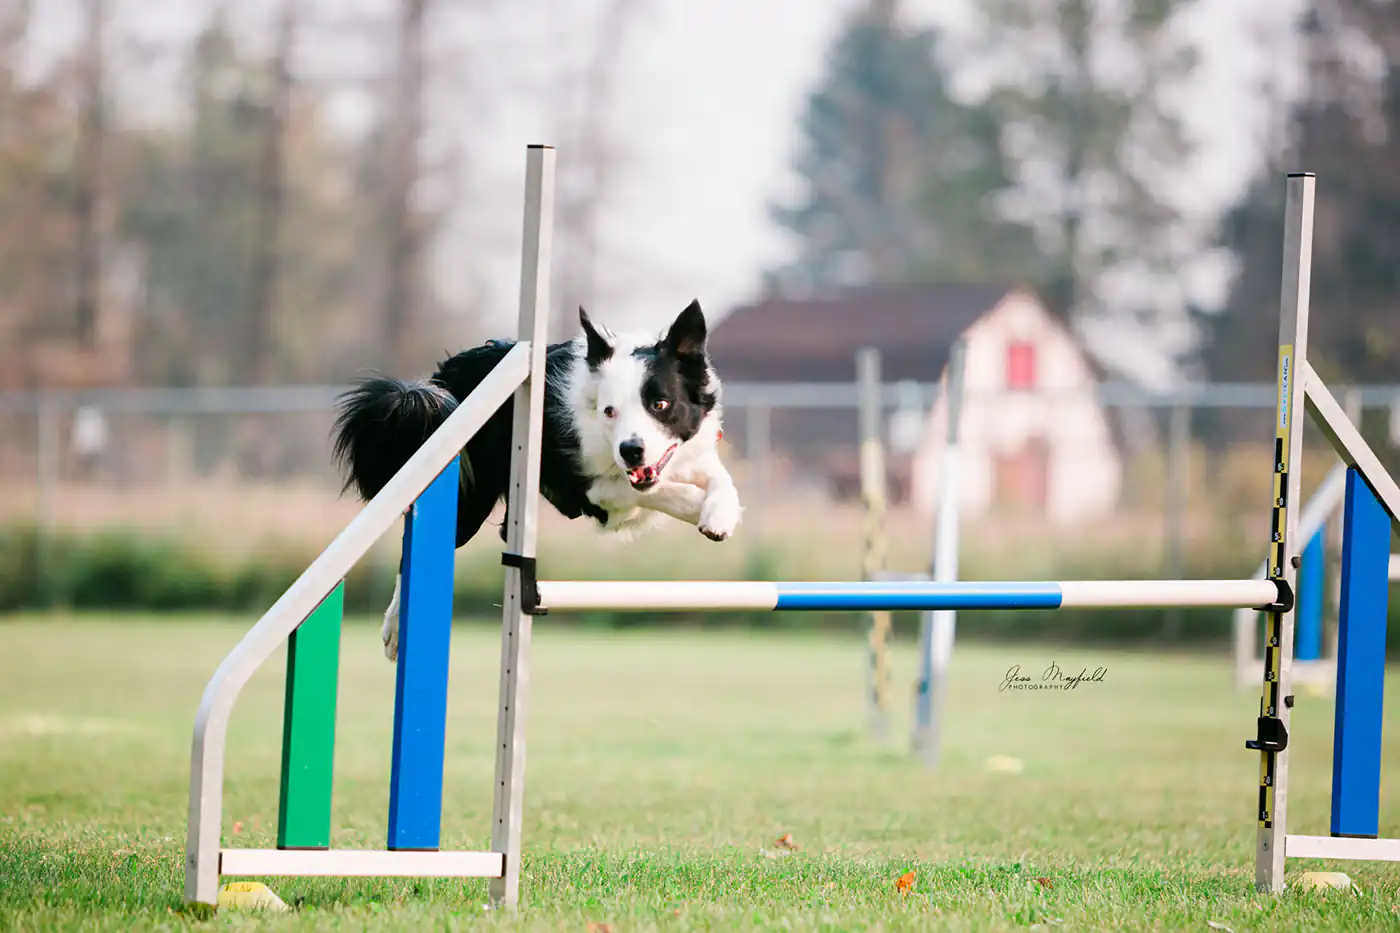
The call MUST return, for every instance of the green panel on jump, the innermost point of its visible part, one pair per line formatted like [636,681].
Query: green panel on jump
[308,727]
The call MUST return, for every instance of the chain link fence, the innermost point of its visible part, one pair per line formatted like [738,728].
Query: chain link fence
[241,466]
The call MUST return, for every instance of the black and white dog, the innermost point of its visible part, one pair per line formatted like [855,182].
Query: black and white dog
[631,431]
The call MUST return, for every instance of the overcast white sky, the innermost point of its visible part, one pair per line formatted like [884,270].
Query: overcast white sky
[708,99]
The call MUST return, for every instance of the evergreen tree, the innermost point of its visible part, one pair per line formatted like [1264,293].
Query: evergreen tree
[1079,88]
[189,204]
[895,173]
[1346,128]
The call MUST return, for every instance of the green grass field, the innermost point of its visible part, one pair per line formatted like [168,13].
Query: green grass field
[662,768]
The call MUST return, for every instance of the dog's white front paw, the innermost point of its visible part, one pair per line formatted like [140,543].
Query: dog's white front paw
[390,632]
[719,516]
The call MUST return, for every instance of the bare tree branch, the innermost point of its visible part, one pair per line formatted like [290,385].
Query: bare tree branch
[92,134]
[14,24]
[592,163]
[402,294]
[271,203]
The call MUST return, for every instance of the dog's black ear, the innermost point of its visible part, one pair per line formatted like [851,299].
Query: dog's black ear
[687,334]
[599,350]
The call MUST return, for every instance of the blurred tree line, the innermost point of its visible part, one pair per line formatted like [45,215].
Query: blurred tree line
[247,231]
[1045,173]
[245,237]
[240,238]
[1346,127]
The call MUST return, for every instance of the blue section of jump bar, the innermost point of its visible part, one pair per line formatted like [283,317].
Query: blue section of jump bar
[420,691]
[1356,744]
[897,595]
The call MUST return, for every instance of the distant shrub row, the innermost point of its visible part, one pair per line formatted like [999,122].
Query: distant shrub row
[122,570]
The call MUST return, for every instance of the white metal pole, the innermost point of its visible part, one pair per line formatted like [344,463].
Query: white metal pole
[522,526]
[939,627]
[874,543]
[1284,550]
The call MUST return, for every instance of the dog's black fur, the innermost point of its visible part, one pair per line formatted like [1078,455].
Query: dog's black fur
[383,421]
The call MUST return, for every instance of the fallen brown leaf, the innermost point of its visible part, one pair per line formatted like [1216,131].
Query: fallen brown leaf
[785,842]
[905,883]
[237,828]
[599,927]
[1044,882]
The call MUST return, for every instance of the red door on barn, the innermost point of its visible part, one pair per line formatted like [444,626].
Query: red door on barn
[1023,476]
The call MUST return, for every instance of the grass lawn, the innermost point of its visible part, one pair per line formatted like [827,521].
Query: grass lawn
[662,768]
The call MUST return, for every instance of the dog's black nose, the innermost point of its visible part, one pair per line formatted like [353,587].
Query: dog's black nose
[632,452]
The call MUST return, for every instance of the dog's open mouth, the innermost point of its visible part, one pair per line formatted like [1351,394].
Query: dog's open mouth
[645,477]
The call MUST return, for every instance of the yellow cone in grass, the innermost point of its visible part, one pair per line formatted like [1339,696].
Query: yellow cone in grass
[1004,764]
[249,895]
[1313,880]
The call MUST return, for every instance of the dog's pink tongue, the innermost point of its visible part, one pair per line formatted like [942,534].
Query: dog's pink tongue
[641,474]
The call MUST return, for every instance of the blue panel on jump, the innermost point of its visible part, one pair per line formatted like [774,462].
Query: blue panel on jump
[1356,744]
[1307,635]
[420,695]
[895,595]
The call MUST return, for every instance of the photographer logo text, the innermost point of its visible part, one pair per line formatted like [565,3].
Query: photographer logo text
[1052,679]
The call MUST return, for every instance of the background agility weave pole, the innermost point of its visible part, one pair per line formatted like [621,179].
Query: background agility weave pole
[875,541]
[936,627]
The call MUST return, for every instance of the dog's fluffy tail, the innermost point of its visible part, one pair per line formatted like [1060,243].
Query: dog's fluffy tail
[381,423]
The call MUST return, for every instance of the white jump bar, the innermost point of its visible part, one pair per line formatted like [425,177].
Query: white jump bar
[1151,594]
[1332,847]
[360,863]
[662,596]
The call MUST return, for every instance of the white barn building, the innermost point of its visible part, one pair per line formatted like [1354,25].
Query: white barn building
[1034,438]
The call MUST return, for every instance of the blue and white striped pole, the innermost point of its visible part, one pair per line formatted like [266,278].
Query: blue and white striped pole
[915,596]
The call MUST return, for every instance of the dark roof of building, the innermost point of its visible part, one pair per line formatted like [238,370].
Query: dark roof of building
[790,339]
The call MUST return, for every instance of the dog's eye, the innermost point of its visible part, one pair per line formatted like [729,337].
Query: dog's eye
[609,412]
[660,404]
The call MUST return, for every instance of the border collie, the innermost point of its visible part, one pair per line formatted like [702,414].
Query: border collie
[631,431]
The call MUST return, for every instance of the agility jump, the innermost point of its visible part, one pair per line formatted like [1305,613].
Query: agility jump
[308,614]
